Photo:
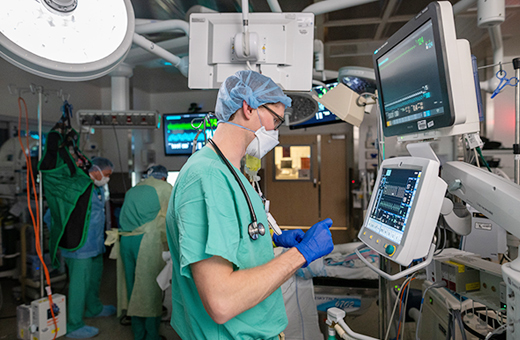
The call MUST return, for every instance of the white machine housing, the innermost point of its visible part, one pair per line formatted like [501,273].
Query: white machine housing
[35,321]
[421,218]
[499,200]
[282,45]
[492,195]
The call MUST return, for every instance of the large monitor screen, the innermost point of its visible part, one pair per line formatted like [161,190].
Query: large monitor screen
[180,130]
[419,75]
[393,202]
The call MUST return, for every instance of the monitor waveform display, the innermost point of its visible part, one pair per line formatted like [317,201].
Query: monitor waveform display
[180,131]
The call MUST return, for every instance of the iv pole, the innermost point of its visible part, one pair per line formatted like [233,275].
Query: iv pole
[36,89]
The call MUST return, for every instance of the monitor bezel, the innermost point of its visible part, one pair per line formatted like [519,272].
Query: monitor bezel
[431,12]
[164,116]
[414,203]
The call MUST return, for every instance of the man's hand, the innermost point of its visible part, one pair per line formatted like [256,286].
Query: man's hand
[288,238]
[316,242]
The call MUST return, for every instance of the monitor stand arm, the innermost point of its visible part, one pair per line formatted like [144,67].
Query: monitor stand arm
[403,273]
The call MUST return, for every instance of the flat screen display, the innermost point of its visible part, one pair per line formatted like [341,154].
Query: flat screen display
[412,79]
[180,130]
[393,201]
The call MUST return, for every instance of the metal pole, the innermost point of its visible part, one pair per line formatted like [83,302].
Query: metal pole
[40,184]
[318,144]
[516,146]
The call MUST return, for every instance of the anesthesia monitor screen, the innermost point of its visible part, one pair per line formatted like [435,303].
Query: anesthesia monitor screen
[413,84]
[393,202]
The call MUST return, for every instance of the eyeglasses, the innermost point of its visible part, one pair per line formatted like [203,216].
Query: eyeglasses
[278,121]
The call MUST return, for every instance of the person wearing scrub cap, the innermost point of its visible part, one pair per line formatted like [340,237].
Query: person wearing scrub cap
[226,278]
[85,264]
[143,239]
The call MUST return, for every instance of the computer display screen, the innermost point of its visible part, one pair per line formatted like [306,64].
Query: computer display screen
[180,130]
[412,81]
[393,202]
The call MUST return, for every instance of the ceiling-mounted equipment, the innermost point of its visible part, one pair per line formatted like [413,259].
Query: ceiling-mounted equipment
[282,48]
[66,40]
[302,109]
[129,119]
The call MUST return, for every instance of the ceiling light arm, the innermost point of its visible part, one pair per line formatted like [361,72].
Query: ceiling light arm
[163,26]
[180,63]
[327,6]
[274,6]
[176,46]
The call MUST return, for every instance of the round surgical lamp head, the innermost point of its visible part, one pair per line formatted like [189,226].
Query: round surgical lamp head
[303,108]
[69,40]
[358,79]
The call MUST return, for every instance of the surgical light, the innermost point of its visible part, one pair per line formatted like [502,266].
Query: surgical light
[67,40]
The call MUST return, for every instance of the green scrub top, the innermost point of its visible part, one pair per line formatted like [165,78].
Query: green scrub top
[208,216]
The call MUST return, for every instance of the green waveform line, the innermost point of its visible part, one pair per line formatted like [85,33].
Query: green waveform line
[188,126]
[402,54]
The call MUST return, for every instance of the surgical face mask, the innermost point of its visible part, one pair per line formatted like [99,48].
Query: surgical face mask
[104,179]
[264,142]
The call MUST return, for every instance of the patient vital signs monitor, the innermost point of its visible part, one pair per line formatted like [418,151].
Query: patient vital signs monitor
[425,79]
[404,208]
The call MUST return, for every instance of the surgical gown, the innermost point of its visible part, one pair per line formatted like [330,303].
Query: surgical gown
[142,222]
[208,216]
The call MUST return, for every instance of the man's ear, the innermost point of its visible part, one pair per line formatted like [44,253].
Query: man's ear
[248,110]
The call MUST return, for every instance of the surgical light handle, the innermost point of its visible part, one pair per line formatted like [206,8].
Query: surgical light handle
[401,274]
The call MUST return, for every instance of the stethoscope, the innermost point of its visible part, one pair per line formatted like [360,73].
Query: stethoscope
[255,228]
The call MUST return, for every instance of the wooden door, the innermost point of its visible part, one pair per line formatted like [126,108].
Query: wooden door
[293,202]
[301,203]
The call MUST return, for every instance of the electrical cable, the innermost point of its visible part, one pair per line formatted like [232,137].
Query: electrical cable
[499,330]
[400,304]
[471,330]
[405,306]
[119,154]
[483,159]
[35,221]
[435,285]
[476,158]
[395,305]
[458,319]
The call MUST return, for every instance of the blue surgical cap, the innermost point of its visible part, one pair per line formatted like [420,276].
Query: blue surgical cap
[251,86]
[157,172]
[102,163]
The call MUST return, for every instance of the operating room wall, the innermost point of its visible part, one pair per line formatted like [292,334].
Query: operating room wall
[83,95]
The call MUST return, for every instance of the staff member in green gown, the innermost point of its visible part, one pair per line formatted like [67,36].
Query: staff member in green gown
[143,238]
[85,264]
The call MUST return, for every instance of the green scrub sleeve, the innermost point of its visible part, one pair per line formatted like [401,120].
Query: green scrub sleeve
[208,222]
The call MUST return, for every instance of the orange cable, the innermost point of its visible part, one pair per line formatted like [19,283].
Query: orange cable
[36,222]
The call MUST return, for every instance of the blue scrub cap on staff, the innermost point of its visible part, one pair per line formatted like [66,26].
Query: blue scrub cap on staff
[251,86]
[157,172]
[101,164]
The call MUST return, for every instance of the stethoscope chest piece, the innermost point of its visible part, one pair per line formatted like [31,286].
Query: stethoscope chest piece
[256,229]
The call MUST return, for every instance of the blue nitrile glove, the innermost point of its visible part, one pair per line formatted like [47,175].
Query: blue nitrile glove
[317,242]
[288,238]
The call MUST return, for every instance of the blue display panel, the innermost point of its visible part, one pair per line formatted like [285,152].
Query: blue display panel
[180,130]
[394,200]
